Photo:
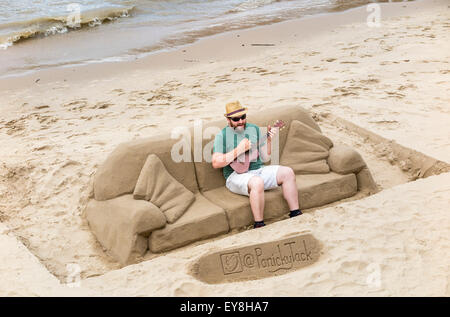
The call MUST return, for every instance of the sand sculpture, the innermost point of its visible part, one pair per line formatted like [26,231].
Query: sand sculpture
[145,201]
[258,260]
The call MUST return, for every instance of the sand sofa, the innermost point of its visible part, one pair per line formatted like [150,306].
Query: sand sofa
[145,200]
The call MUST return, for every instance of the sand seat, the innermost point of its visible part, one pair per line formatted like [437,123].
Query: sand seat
[202,220]
[314,190]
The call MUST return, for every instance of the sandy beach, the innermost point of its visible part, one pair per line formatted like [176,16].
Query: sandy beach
[58,125]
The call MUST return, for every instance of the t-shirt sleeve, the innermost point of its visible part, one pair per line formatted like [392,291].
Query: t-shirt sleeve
[219,143]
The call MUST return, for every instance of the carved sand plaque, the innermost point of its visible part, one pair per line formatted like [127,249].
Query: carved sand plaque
[257,260]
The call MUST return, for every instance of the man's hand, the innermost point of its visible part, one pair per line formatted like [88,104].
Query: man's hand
[268,146]
[243,146]
[220,160]
[272,132]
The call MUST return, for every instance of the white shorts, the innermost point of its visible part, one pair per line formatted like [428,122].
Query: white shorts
[238,183]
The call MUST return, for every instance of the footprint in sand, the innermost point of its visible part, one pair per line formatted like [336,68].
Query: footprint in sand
[394,94]
[76,105]
[369,81]
[137,94]
[320,68]
[146,126]
[45,121]
[252,69]
[350,47]
[161,98]
[41,107]
[317,105]
[43,148]
[312,53]
[403,87]
[267,73]
[173,84]
[102,105]
[181,115]
[118,91]
[349,90]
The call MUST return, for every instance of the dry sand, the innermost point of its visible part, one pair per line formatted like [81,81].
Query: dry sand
[393,80]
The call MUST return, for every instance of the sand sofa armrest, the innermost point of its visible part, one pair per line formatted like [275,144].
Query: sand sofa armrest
[122,225]
[343,159]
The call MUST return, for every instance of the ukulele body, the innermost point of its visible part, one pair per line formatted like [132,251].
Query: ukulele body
[242,163]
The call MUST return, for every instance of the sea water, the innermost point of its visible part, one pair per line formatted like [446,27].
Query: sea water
[37,34]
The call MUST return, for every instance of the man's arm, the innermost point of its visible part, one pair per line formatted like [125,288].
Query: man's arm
[266,149]
[220,160]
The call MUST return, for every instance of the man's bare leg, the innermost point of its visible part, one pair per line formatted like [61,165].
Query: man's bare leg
[256,191]
[286,178]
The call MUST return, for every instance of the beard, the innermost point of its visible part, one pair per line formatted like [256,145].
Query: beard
[240,128]
[237,128]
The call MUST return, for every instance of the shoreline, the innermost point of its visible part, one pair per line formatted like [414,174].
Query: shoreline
[209,49]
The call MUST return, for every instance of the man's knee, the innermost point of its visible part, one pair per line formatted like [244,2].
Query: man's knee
[256,183]
[290,172]
[285,173]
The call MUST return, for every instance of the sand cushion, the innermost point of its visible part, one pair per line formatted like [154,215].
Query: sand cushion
[202,220]
[344,159]
[314,190]
[123,224]
[238,208]
[306,149]
[156,185]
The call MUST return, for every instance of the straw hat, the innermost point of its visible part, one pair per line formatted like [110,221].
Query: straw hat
[234,109]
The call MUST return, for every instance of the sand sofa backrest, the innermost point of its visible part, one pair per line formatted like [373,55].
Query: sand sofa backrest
[209,178]
[120,171]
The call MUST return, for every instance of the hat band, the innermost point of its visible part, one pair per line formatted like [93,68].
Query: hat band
[236,111]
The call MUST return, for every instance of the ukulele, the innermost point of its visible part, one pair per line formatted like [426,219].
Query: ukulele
[242,163]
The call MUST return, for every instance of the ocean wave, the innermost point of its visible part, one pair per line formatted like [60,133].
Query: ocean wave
[13,32]
[251,5]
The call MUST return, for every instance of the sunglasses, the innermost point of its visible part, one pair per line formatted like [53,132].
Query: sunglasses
[236,119]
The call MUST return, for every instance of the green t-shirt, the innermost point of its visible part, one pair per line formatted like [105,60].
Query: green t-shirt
[223,143]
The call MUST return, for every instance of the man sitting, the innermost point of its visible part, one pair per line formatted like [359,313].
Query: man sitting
[239,137]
